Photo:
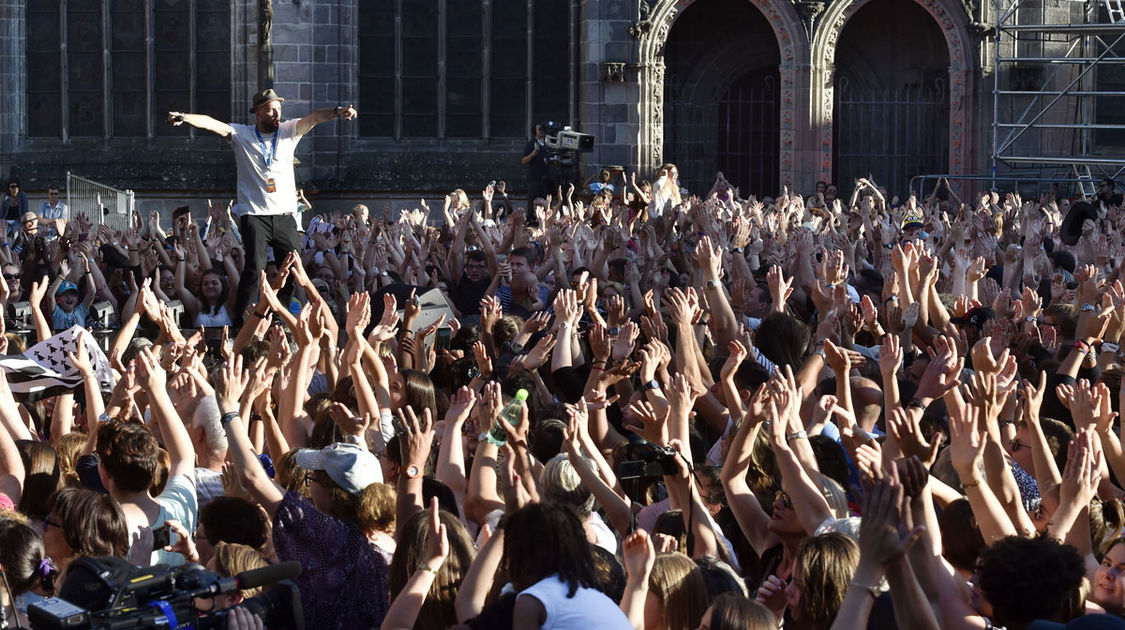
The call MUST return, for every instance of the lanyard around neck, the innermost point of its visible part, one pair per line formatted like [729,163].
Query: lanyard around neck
[268,157]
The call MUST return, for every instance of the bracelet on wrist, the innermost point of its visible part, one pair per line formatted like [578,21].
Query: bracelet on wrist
[972,484]
[226,418]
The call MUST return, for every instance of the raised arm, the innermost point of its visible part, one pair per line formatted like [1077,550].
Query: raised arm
[12,429]
[201,121]
[230,384]
[38,293]
[314,118]
[172,429]
[451,452]
[748,511]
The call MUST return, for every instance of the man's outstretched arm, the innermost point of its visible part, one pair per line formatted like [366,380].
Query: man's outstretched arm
[201,121]
[314,118]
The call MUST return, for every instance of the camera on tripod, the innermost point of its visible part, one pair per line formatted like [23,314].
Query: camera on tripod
[108,592]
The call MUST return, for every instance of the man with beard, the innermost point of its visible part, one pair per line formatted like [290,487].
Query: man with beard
[267,190]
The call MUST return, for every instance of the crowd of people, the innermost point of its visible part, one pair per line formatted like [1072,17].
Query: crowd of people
[620,407]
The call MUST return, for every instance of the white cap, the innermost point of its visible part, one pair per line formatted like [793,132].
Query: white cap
[351,467]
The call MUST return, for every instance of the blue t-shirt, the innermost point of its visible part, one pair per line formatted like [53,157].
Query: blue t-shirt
[61,320]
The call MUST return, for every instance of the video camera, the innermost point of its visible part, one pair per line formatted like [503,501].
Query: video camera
[647,460]
[108,592]
[563,138]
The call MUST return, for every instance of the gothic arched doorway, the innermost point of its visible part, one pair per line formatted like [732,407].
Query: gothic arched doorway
[891,114]
[722,97]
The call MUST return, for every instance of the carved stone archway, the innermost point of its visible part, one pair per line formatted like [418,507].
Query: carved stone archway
[951,19]
[792,43]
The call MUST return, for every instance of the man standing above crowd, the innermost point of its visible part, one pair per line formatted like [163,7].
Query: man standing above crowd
[267,190]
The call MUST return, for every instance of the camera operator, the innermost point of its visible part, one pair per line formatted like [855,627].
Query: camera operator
[535,159]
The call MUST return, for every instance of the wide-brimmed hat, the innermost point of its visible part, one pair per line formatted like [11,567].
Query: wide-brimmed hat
[263,97]
[351,467]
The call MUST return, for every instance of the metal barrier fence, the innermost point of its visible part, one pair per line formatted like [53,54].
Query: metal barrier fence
[100,203]
[1027,185]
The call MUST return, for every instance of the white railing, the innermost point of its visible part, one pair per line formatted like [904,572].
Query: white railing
[100,203]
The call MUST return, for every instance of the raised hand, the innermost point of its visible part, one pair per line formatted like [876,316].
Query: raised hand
[639,555]
[626,338]
[231,381]
[652,426]
[418,436]
[966,445]
[907,429]
[149,372]
[540,353]
[437,545]
[886,530]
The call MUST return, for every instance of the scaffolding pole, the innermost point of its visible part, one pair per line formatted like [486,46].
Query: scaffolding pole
[1044,90]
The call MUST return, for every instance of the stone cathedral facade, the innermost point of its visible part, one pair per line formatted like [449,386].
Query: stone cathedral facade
[771,92]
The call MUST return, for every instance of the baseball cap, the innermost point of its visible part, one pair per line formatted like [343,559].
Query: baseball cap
[351,467]
[67,285]
[975,317]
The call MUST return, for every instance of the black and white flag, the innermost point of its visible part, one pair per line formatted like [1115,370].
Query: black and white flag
[44,370]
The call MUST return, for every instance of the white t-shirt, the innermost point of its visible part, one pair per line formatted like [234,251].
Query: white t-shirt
[589,608]
[250,154]
[178,501]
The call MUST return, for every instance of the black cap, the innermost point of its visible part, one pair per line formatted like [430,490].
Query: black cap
[975,317]
[1071,229]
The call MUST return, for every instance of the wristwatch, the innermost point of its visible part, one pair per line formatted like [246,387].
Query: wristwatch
[713,284]
[653,384]
[413,472]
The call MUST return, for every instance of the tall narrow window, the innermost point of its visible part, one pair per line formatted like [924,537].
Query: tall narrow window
[419,69]
[551,62]
[44,70]
[127,57]
[508,117]
[85,85]
[463,72]
[171,61]
[212,58]
[377,69]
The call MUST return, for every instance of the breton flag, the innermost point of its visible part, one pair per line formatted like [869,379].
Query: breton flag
[44,370]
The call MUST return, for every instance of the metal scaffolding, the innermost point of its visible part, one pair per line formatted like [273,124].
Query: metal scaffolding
[1045,97]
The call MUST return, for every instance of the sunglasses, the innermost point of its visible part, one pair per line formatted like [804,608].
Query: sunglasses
[11,276]
[47,522]
[784,498]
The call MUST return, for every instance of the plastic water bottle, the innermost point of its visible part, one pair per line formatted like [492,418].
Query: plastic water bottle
[511,414]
